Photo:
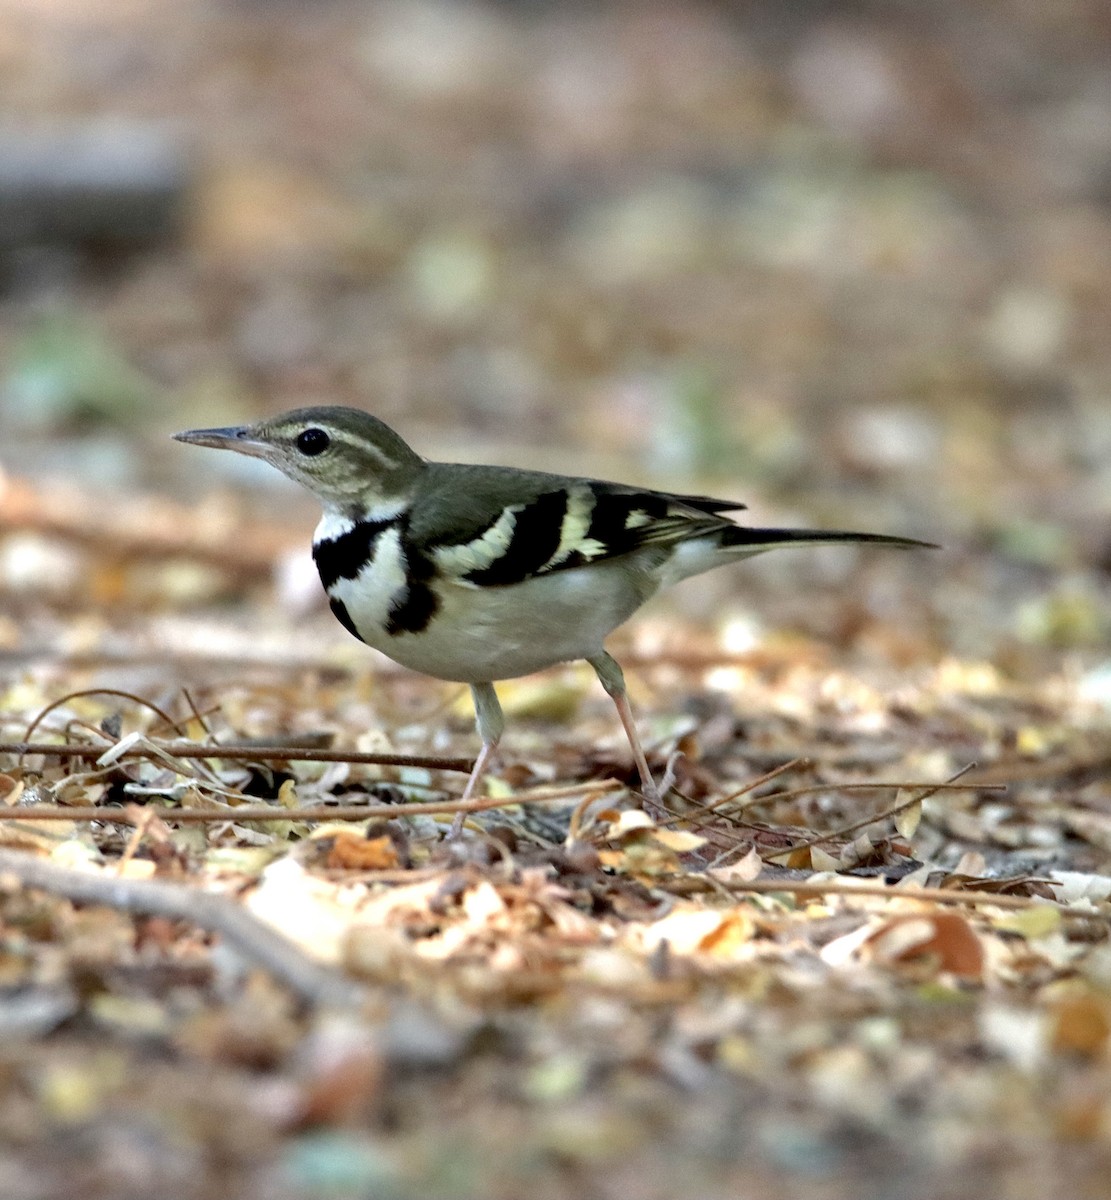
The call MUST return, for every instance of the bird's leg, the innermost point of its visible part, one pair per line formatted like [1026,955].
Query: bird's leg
[490,723]
[612,679]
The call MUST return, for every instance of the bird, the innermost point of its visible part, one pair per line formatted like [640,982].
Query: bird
[475,573]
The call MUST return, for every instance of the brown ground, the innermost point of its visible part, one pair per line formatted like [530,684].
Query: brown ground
[851,266]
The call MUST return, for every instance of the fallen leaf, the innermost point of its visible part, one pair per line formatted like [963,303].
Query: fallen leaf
[946,937]
[482,903]
[1033,922]
[352,852]
[700,930]
[630,821]
[906,822]
[1080,1023]
[745,870]
[679,840]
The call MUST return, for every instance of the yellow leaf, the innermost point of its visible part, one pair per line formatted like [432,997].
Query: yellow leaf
[630,821]
[1081,1024]
[1032,742]
[822,860]
[906,822]
[679,840]
[737,928]
[1034,922]
[497,789]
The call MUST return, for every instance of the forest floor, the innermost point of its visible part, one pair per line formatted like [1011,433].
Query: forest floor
[850,264]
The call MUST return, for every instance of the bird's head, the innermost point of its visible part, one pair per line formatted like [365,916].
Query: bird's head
[345,457]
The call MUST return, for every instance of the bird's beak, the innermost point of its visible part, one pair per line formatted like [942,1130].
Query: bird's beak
[240,438]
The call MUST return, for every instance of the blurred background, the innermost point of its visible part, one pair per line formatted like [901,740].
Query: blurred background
[848,262]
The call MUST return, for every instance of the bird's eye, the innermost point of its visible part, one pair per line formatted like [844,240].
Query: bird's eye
[313,442]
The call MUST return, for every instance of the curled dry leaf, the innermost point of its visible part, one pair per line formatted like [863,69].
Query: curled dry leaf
[692,930]
[10,790]
[907,821]
[945,938]
[352,852]
[679,840]
[744,870]
[1080,1022]
[632,820]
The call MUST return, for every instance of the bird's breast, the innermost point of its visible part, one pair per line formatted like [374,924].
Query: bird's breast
[393,599]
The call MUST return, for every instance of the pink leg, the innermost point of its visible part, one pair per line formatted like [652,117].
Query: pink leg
[490,722]
[613,680]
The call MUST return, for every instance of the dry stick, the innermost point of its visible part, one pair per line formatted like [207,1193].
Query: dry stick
[693,884]
[200,717]
[317,812]
[243,754]
[714,805]
[845,830]
[811,788]
[255,940]
[770,797]
[83,692]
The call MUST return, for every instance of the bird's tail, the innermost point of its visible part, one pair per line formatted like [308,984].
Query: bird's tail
[755,541]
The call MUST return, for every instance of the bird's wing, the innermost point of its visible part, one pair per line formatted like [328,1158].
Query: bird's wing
[489,527]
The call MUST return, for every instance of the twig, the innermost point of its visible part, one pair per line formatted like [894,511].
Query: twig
[244,754]
[856,826]
[811,788]
[316,812]
[255,940]
[78,695]
[1056,766]
[721,801]
[690,885]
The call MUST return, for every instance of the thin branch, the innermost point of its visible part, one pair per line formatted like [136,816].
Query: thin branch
[316,812]
[690,885]
[235,753]
[810,789]
[256,941]
[83,692]
[856,826]
[721,801]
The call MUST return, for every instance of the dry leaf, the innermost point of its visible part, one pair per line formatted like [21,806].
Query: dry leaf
[351,851]
[679,840]
[945,937]
[1093,827]
[906,822]
[10,790]
[1034,922]
[1080,1023]
[482,903]
[632,820]
[821,859]
[745,870]
[689,930]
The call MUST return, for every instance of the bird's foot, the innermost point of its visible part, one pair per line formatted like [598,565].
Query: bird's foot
[655,793]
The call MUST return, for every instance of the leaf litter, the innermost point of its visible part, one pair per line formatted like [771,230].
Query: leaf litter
[881,929]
